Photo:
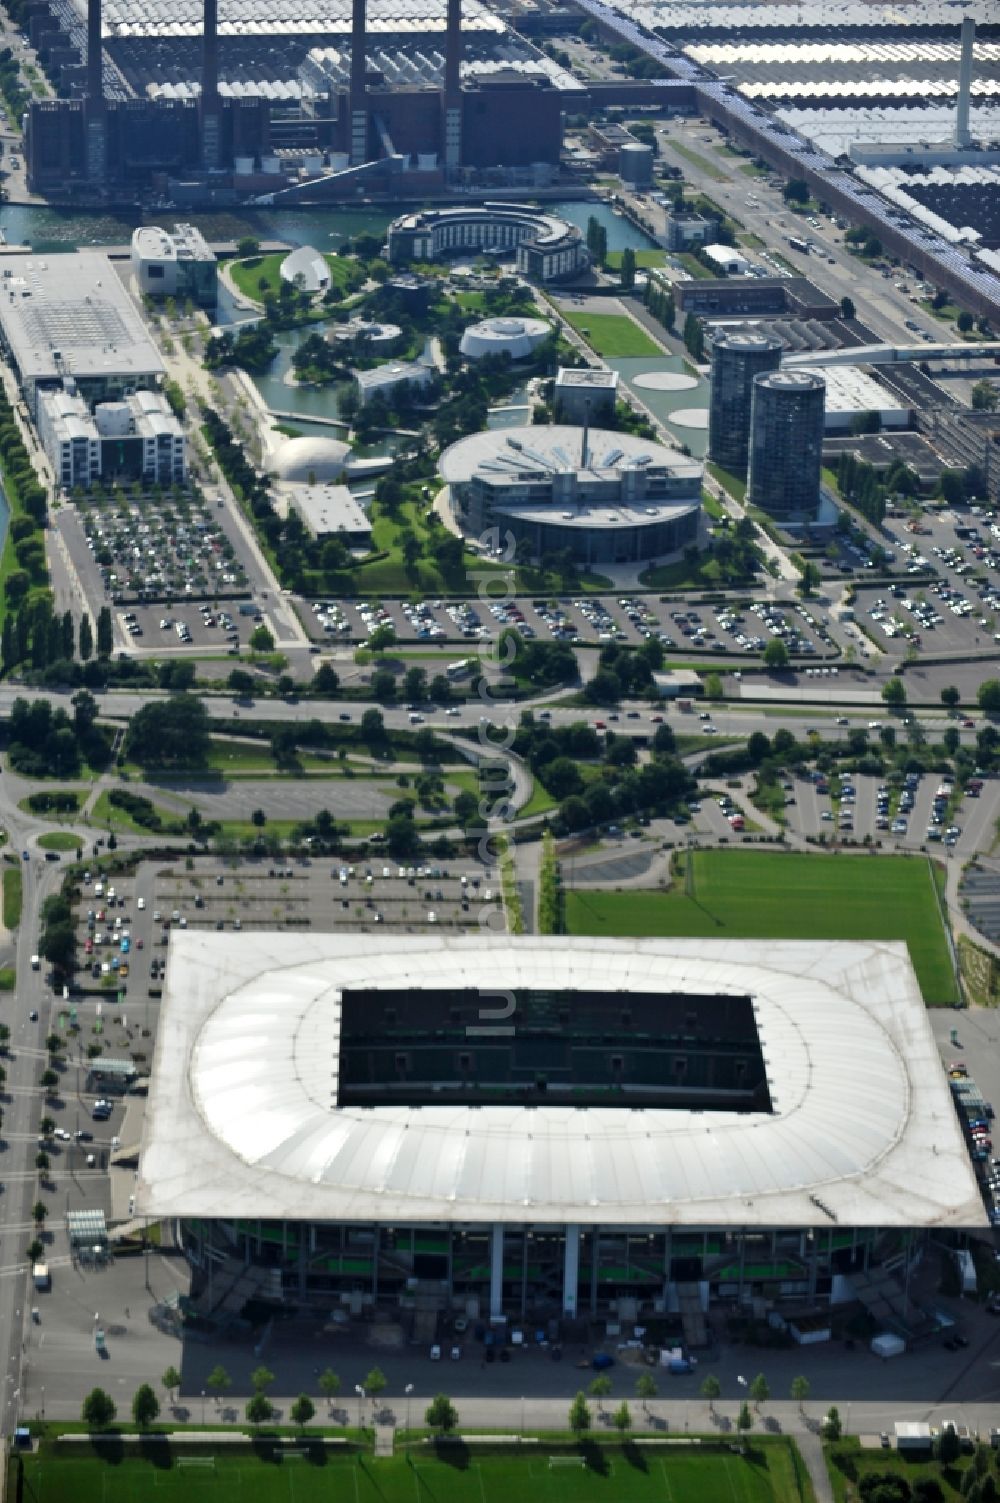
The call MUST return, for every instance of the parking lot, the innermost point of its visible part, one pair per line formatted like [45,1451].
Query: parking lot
[585,620]
[926,811]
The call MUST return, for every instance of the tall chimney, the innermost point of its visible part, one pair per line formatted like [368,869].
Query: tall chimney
[359,88]
[95,54]
[452,86]
[210,53]
[453,50]
[962,136]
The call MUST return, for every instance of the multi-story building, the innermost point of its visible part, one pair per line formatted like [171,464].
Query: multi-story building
[70,316]
[546,249]
[135,438]
[738,355]
[786,442]
[604,497]
[177,263]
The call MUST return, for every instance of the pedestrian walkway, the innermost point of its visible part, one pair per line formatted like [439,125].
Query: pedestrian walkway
[385,1439]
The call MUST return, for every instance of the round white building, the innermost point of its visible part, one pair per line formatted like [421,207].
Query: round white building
[516,337]
[314,460]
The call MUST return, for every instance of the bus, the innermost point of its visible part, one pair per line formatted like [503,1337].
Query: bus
[461,669]
[798,244]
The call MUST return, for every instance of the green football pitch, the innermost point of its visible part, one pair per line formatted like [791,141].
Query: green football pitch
[771,1473]
[774,895]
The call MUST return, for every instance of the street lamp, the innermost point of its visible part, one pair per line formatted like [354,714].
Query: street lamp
[408,1390]
[361,1399]
[203,1406]
[43,1401]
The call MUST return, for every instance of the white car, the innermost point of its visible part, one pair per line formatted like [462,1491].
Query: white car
[140,904]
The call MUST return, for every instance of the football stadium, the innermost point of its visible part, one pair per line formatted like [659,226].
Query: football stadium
[547,1128]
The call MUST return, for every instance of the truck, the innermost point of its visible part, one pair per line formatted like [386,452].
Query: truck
[40,1276]
[35,962]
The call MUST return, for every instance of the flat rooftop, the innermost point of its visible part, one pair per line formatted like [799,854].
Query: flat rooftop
[248,1112]
[70,315]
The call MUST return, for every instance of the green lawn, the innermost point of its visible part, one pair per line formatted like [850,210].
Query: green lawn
[770,1473]
[705,165]
[643,258]
[59,840]
[612,334]
[774,895]
[246,274]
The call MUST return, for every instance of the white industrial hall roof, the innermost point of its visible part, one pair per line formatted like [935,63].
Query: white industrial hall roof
[243,1117]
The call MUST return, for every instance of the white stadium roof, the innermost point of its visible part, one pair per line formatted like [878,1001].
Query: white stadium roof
[243,1116]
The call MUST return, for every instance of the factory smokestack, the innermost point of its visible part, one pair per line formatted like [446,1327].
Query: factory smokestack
[210,53]
[452,86]
[359,88]
[211,143]
[962,136]
[453,49]
[95,55]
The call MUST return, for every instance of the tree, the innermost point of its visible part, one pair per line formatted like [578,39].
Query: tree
[261,1378]
[894,693]
[744,1420]
[599,1389]
[847,308]
[218,1381]
[259,1409]
[645,1388]
[105,631]
[795,191]
[579,1415]
[171,1381]
[375,1383]
[145,1406]
[776,654]
[247,245]
[988,695]
[809,581]
[441,1414]
[628,267]
[261,639]
[985,397]
[382,637]
[34,1250]
[759,1390]
[622,1417]
[832,1427]
[950,696]
[329,1385]
[170,733]
[86,638]
[98,1410]
[800,1391]
[39,1211]
[964,322]
[42,1161]
[302,1410]
[949,1446]
[711,1389]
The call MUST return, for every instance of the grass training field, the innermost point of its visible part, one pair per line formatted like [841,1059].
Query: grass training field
[612,334]
[771,1473]
[772,895]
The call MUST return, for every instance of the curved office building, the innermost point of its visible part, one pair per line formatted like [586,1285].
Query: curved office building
[546,248]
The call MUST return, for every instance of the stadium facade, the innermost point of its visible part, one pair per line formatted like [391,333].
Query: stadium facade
[544,1128]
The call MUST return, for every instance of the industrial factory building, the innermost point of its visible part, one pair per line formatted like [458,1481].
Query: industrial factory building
[546,248]
[354,119]
[732,1121]
[605,497]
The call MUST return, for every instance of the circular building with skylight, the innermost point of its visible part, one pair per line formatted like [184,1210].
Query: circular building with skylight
[514,337]
[606,497]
